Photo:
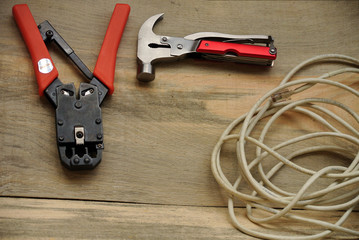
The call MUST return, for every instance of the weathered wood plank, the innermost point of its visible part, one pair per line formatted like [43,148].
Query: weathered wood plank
[64,219]
[159,136]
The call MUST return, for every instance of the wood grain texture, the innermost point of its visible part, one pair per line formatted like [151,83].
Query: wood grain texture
[158,136]
[58,219]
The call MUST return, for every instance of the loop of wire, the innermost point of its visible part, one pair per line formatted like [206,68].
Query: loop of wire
[265,194]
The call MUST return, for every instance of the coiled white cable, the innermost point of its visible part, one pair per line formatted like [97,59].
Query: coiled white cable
[266,196]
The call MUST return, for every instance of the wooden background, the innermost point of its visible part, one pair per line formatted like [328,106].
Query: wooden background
[154,181]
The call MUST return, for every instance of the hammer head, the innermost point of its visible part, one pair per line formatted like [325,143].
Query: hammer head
[150,49]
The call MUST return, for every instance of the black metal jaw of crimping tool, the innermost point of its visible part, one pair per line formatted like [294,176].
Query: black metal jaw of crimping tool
[78,116]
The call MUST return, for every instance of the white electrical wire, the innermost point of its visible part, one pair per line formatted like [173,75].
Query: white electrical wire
[266,196]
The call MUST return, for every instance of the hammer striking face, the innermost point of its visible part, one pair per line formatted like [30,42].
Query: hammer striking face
[152,48]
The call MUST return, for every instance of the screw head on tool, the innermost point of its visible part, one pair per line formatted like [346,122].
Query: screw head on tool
[99,136]
[78,104]
[87,160]
[49,33]
[98,121]
[76,161]
[164,39]
[79,134]
[179,46]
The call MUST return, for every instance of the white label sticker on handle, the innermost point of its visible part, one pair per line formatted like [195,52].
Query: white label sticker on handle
[45,65]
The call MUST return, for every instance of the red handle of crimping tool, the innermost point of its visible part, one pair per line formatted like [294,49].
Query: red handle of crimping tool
[45,70]
[242,50]
[105,65]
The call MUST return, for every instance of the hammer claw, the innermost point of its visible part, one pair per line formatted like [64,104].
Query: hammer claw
[149,49]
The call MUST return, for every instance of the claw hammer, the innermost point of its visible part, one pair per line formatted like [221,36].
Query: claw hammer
[153,48]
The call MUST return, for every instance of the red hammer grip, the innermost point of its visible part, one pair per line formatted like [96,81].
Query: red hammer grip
[243,50]
[45,70]
[105,65]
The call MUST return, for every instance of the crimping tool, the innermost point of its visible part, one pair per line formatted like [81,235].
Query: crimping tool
[152,48]
[78,119]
